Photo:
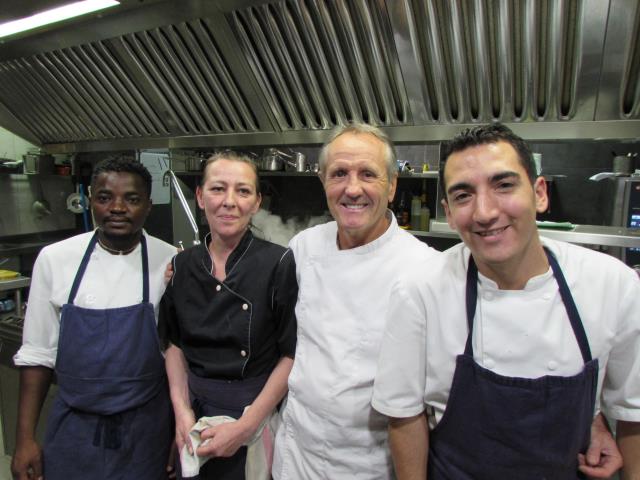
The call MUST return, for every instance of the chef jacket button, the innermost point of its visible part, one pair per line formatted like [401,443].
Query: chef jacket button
[546,296]
[489,363]
[245,306]
[218,288]
[243,353]
[488,296]
[552,365]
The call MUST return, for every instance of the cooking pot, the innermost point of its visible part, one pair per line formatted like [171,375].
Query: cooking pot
[298,162]
[271,160]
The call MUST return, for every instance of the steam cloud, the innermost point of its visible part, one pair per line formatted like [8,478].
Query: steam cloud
[272,228]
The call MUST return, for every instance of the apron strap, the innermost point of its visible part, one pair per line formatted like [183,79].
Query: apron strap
[145,269]
[471,297]
[85,261]
[570,306]
[83,267]
[565,294]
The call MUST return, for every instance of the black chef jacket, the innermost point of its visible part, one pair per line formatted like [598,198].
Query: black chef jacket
[238,328]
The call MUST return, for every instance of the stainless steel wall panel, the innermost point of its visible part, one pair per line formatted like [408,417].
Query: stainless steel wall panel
[42,106]
[619,90]
[58,99]
[631,84]
[83,97]
[160,64]
[324,90]
[217,71]
[323,63]
[90,87]
[88,60]
[132,101]
[265,65]
[167,58]
[188,51]
[485,60]
[292,17]
[82,110]
[338,66]
[14,100]
[223,83]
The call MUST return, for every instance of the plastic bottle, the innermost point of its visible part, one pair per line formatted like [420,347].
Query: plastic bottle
[425,213]
[415,212]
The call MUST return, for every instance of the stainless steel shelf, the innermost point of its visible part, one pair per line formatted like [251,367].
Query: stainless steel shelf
[580,234]
[429,174]
[14,283]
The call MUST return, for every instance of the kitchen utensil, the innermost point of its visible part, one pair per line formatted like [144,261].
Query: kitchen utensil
[624,164]
[271,160]
[297,162]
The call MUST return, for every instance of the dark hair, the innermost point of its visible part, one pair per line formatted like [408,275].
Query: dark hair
[122,164]
[233,157]
[486,134]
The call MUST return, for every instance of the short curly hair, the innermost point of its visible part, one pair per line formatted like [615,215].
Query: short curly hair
[122,164]
[487,134]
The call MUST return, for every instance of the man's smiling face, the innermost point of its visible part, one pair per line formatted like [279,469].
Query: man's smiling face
[493,205]
[358,187]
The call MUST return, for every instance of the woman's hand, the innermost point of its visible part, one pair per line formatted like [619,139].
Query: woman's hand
[185,420]
[225,439]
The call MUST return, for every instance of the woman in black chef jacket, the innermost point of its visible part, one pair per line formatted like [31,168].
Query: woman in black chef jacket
[227,321]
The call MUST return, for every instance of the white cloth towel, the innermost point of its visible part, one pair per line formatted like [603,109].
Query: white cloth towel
[259,447]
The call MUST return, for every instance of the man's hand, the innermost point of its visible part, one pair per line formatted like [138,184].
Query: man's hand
[602,458]
[27,461]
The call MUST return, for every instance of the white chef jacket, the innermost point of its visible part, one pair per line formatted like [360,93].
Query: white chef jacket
[520,333]
[329,429]
[110,281]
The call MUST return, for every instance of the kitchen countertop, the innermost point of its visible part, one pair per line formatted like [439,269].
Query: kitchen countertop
[580,234]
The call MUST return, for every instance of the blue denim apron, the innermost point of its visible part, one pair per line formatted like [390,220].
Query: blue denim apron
[112,417]
[497,427]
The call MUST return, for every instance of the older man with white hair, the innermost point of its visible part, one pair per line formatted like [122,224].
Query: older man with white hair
[344,269]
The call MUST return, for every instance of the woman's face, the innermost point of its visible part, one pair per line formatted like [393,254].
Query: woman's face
[229,197]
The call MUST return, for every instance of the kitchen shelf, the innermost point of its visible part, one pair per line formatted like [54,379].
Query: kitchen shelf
[580,234]
[14,283]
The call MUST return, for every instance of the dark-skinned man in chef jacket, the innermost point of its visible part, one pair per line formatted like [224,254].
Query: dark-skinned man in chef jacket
[91,319]
[498,354]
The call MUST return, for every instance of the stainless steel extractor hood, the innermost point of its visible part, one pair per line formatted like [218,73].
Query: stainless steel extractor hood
[186,73]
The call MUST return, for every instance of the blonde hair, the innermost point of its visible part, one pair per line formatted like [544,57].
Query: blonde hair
[233,157]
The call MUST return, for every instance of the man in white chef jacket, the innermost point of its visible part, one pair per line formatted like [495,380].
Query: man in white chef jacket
[344,269]
[540,334]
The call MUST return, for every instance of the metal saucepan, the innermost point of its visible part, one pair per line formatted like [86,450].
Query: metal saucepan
[271,160]
[298,162]
[275,160]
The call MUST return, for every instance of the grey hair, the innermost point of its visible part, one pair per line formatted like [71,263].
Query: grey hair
[390,156]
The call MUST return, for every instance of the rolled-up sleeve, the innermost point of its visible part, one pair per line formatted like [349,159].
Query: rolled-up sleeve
[42,320]
[401,374]
[285,295]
